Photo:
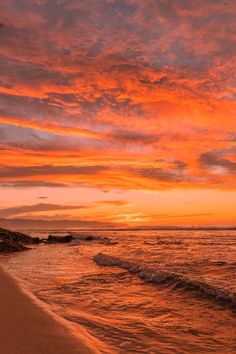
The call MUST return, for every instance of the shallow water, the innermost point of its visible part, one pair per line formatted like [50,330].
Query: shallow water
[129,314]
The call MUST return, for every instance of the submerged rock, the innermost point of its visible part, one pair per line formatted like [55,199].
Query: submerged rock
[96,238]
[162,242]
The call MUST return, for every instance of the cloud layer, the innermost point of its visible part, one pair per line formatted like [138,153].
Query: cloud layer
[117,93]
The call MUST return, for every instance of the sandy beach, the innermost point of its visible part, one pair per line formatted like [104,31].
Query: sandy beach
[27,328]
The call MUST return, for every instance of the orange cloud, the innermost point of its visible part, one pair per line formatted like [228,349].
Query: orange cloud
[140,98]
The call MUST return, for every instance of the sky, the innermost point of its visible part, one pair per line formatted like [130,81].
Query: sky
[118,112]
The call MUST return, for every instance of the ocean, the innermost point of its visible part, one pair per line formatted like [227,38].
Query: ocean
[141,291]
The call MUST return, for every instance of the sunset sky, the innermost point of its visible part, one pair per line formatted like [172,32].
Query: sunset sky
[118,111]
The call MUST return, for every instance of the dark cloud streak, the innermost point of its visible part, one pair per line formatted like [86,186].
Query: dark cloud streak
[46,170]
[14,211]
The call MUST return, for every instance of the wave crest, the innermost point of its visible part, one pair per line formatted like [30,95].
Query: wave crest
[159,277]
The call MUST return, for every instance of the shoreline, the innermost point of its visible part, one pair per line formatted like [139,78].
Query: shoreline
[28,327]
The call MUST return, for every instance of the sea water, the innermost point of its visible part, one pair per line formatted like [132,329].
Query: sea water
[146,291]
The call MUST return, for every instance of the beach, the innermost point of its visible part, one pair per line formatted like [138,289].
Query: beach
[26,327]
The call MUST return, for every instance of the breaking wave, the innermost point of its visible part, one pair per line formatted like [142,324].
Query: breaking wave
[156,276]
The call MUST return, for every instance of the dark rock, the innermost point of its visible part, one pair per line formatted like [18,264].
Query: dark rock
[12,236]
[7,247]
[59,239]
[89,238]
[11,241]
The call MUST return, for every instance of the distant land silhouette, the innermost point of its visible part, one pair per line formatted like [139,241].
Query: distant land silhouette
[28,224]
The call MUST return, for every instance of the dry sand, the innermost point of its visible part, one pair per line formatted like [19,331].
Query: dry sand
[26,327]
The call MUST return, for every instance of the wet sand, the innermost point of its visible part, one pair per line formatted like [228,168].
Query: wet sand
[26,327]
